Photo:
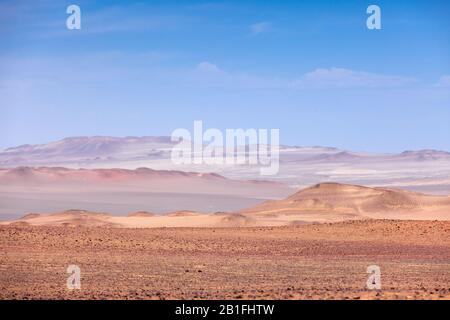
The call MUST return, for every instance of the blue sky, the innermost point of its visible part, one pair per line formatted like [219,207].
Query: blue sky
[310,68]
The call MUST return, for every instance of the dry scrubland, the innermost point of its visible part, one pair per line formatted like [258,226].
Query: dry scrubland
[316,261]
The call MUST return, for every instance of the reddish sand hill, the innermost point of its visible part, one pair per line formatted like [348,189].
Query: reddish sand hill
[119,191]
[140,179]
[60,174]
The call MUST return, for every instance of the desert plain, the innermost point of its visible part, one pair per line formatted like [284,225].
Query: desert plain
[312,261]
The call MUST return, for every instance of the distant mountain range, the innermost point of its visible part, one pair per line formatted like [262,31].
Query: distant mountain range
[87,150]
[122,152]
[421,170]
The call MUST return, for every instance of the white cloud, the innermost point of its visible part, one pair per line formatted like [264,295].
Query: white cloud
[211,75]
[259,27]
[113,68]
[444,81]
[345,78]
[206,66]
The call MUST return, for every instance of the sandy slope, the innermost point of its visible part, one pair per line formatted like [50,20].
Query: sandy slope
[82,218]
[328,202]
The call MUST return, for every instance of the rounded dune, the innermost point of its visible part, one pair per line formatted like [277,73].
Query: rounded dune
[143,214]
